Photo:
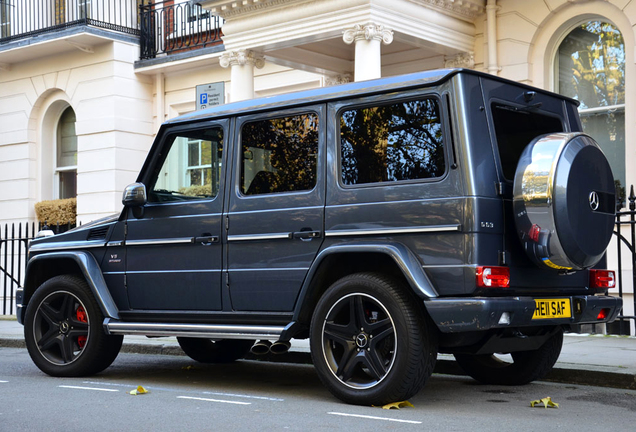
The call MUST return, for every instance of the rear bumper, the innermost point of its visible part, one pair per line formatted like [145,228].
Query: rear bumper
[457,315]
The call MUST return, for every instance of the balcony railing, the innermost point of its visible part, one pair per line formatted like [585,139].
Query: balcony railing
[27,18]
[171,26]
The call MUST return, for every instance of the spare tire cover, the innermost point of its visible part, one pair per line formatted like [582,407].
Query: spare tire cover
[564,201]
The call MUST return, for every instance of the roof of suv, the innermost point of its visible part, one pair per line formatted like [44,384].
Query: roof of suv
[344,91]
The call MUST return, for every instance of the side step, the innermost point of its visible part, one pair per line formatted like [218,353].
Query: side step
[211,331]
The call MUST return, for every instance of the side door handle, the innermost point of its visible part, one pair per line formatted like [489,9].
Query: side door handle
[306,234]
[206,240]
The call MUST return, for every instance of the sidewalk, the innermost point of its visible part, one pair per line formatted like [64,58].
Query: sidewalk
[607,361]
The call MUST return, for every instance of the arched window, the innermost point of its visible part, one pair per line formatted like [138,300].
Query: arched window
[66,160]
[591,68]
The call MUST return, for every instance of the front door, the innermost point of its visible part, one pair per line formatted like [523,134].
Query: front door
[276,207]
[173,245]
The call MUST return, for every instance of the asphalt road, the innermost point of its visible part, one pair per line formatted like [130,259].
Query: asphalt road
[255,396]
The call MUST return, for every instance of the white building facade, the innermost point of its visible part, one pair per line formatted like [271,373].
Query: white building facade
[84,89]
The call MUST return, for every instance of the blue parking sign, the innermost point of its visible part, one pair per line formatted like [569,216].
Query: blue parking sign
[204,98]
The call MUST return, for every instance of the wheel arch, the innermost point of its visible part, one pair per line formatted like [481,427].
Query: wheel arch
[340,260]
[45,266]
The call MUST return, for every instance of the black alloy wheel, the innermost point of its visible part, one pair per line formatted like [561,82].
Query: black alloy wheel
[60,328]
[359,341]
[63,329]
[370,342]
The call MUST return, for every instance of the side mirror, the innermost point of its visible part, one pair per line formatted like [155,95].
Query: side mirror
[134,195]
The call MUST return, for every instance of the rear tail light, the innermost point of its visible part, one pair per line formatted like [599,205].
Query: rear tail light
[602,279]
[493,277]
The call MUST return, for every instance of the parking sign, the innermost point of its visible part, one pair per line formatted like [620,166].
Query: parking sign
[210,95]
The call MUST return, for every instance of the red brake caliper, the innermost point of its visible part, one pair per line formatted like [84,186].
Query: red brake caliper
[80,314]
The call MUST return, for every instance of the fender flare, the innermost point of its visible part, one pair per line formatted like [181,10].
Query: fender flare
[404,258]
[91,272]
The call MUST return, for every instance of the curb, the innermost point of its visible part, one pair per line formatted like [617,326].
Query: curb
[446,367]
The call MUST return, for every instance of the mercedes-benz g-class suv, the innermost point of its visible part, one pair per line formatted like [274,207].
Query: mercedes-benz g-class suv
[387,220]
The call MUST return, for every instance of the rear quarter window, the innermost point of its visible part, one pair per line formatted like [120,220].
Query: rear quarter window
[392,142]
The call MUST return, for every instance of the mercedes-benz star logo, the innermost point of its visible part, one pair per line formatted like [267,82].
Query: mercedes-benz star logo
[594,201]
[361,340]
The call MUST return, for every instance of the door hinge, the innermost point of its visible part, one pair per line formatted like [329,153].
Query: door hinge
[502,258]
[501,188]
[227,223]
[125,281]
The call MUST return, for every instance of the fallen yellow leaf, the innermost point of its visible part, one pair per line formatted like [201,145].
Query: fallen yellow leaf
[547,402]
[398,405]
[140,390]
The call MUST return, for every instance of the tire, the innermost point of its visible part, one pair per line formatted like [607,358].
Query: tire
[527,366]
[63,329]
[556,199]
[210,351]
[369,343]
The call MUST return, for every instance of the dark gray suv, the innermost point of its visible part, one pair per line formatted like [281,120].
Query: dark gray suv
[389,220]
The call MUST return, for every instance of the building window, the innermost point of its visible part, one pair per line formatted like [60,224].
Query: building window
[66,160]
[84,9]
[591,68]
[5,18]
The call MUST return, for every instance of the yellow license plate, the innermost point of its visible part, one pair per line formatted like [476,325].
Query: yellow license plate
[552,308]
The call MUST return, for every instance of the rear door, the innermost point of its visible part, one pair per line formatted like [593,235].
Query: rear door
[276,207]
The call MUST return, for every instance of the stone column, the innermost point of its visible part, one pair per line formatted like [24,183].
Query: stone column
[368,39]
[242,63]
[491,24]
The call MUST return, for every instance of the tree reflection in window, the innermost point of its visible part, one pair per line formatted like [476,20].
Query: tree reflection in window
[401,141]
[279,154]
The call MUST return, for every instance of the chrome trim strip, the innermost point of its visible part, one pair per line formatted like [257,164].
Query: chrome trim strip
[382,231]
[57,246]
[115,243]
[181,240]
[270,269]
[248,237]
[220,331]
[172,271]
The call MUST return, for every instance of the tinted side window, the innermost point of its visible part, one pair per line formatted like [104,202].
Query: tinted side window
[515,129]
[401,141]
[279,154]
[191,167]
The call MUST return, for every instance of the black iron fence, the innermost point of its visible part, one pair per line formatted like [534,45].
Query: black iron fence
[168,28]
[14,242]
[27,18]
[626,242]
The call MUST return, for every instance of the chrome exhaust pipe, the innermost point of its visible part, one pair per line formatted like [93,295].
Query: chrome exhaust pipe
[261,347]
[280,347]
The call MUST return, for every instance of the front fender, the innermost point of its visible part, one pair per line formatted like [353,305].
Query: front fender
[90,270]
[401,255]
